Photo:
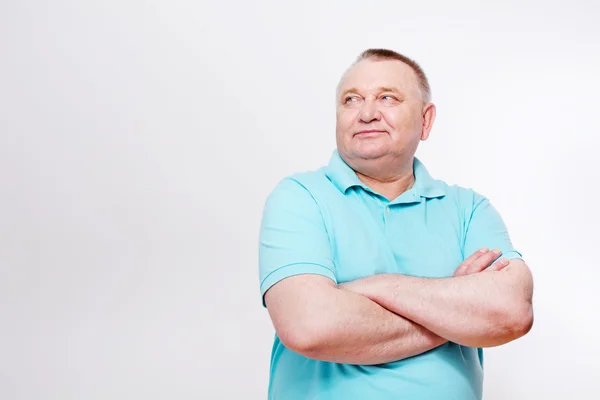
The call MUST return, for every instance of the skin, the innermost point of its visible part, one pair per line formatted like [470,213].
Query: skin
[383,97]
[381,119]
[474,309]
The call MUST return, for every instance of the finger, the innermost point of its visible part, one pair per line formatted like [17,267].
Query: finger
[498,265]
[464,266]
[484,261]
[475,256]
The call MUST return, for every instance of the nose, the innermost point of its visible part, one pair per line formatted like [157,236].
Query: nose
[369,111]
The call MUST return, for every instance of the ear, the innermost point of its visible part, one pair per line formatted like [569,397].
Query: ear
[428,118]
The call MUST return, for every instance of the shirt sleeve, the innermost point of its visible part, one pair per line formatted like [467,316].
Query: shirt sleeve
[293,237]
[485,228]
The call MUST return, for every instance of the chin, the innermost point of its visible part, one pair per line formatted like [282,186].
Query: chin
[368,153]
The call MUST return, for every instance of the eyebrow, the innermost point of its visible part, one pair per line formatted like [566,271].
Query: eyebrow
[389,89]
[379,89]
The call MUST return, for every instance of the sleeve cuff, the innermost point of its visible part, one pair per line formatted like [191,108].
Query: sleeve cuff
[511,255]
[291,270]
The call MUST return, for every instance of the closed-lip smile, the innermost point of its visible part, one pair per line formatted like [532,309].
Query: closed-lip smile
[369,132]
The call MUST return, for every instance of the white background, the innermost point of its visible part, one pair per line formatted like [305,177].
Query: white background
[139,140]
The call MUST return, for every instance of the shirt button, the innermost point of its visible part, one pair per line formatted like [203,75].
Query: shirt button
[387,209]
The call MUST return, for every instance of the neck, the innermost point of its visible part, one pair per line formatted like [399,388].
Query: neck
[389,185]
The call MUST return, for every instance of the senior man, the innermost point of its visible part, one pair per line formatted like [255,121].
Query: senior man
[381,281]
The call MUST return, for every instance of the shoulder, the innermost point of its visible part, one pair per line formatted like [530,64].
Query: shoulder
[301,187]
[464,198]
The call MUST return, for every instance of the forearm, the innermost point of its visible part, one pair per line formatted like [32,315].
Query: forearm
[479,310]
[362,332]
[315,318]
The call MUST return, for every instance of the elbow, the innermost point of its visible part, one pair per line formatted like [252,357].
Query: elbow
[300,341]
[517,321]
[523,319]
[306,340]
[504,326]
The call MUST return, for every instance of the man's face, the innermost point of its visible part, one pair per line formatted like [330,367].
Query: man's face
[379,111]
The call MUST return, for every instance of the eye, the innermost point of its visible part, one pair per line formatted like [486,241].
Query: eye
[388,97]
[349,99]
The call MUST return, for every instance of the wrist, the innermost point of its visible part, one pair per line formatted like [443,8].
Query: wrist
[369,286]
[390,290]
[378,287]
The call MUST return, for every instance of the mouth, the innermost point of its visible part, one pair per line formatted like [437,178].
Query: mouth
[369,133]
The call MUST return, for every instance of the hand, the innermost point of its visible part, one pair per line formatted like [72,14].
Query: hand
[481,260]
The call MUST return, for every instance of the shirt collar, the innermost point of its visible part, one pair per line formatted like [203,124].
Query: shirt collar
[344,177]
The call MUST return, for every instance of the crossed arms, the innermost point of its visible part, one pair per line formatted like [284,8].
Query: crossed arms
[387,317]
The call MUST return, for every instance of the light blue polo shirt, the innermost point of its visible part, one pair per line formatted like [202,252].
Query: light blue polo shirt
[328,222]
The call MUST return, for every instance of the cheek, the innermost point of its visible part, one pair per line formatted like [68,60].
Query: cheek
[401,120]
[345,120]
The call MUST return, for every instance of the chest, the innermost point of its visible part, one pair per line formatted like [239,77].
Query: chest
[419,239]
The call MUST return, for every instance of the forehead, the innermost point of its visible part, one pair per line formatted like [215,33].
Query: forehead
[368,75]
